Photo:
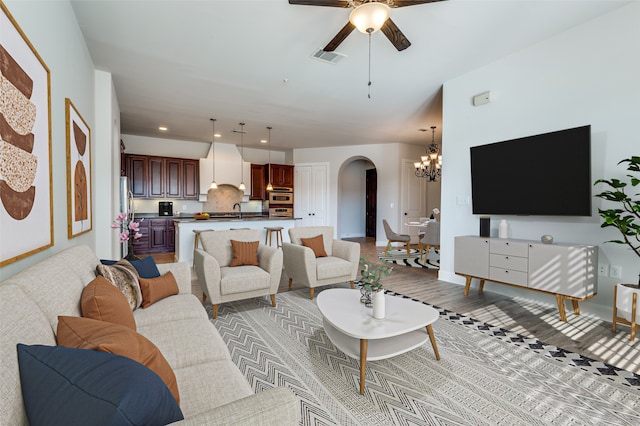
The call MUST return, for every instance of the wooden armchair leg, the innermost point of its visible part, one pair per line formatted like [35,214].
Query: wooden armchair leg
[352,286]
[290,283]
[311,293]
[273,300]
[215,311]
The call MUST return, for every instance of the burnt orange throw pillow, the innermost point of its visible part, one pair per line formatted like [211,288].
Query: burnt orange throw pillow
[316,244]
[87,333]
[103,301]
[154,289]
[244,253]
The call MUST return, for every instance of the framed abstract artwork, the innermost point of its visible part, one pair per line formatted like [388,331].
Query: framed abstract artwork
[26,194]
[79,212]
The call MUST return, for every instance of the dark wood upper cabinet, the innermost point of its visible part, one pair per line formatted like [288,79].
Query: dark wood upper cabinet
[162,177]
[190,180]
[282,175]
[258,185]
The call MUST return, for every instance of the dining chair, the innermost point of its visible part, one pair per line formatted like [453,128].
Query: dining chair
[392,237]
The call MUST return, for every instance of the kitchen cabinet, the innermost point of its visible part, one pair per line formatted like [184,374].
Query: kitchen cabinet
[162,177]
[258,185]
[158,236]
[567,271]
[281,175]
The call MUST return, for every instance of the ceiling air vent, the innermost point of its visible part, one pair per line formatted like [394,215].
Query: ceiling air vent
[330,57]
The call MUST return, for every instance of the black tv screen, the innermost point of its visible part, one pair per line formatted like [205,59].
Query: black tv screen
[547,174]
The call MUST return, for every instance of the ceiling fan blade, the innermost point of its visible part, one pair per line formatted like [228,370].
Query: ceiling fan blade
[331,3]
[339,38]
[403,3]
[395,36]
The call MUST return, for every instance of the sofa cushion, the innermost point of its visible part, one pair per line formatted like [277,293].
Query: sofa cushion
[332,267]
[316,244]
[155,289]
[146,268]
[243,279]
[65,386]
[244,253]
[174,308]
[102,301]
[125,277]
[86,333]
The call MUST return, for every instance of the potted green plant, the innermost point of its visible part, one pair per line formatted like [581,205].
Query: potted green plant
[371,276]
[626,216]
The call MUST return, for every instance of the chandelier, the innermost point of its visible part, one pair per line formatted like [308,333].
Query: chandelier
[430,165]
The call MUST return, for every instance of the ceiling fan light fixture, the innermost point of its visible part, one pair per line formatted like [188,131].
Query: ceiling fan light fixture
[370,17]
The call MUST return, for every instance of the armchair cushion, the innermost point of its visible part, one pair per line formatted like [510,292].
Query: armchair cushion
[332,267]
[244,253]
[243,279]
[316,244]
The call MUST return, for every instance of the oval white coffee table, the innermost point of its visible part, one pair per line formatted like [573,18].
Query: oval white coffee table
[353,329]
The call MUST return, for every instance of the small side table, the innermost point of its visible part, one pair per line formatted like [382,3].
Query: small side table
[625,307]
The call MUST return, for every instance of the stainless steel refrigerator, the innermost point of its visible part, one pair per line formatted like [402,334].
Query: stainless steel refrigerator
[127,207]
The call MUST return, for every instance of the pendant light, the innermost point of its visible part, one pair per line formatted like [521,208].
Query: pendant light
[214,185]
[269,186]
[242,187]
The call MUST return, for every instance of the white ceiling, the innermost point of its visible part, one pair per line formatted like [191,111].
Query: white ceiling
[180,63]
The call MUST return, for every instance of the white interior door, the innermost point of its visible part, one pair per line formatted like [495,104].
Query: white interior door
[310,194]
[412,199]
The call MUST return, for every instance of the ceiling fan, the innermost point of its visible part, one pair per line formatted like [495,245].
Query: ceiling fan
[386,25]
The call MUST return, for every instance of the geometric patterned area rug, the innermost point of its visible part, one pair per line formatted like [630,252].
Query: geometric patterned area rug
[486,375]
[399,257]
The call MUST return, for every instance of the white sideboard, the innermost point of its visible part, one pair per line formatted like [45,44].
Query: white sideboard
[567,271]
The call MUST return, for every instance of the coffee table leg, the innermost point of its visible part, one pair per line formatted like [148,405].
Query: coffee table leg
[433,341]
[364,343]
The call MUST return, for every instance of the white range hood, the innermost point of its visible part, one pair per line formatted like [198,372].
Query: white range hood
[227,169]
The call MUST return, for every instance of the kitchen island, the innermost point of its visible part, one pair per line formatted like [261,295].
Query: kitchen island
[185,237]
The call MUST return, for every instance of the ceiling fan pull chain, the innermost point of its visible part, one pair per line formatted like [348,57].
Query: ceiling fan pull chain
[369,84]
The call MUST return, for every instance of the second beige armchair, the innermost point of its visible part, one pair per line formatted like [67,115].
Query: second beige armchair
[301,265]
[222,282]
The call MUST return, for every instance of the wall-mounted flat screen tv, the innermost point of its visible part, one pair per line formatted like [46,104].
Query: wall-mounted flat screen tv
[547,175]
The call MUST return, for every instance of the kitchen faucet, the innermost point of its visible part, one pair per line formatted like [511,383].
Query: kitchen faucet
[239,210]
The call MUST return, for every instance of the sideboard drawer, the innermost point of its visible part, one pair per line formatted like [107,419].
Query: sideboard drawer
[509,247]
[508,276]
[508,262]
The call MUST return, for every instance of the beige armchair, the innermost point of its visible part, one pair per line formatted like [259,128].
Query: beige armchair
[300,263]
[222,283]
[392,237]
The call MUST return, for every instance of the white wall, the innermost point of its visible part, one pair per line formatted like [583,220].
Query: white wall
[387,160]
[587,75]
[52,29]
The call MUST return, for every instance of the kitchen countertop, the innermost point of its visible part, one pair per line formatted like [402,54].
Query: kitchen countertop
[221,217]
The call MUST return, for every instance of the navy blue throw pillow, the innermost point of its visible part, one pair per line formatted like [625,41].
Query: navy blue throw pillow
[146,267]
[68,386]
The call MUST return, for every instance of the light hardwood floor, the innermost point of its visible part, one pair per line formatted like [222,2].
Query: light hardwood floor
[583,334]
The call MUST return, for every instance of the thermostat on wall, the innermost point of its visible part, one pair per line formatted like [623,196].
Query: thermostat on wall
[482,98]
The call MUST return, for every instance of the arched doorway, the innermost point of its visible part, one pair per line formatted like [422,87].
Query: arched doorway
[357,194]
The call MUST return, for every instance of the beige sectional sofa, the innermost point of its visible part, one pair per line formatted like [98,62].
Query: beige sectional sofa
[212,389]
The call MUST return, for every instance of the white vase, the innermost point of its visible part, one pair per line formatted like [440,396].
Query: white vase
[503,229]
[378,304]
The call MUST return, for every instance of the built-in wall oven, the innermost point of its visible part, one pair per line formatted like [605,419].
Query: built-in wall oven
[281,196]
[280,212]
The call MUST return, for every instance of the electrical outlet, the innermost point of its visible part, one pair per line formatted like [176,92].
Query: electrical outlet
[615,271]
[184,207]
[603,270]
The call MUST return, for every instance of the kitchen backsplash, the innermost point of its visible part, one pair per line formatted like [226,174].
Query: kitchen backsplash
[188,206]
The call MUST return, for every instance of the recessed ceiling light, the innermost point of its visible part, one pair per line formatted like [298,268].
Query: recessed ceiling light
[263,141]
[162,129]
[217,135]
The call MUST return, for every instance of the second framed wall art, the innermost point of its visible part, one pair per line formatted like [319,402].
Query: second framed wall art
[78,172]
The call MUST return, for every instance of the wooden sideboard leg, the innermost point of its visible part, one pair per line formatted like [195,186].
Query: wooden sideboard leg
[432,337]
[576,307]
[481,286]
[561,309]
[467,285]
[634,304]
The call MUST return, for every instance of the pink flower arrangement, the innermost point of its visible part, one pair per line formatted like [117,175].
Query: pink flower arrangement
[128,228]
